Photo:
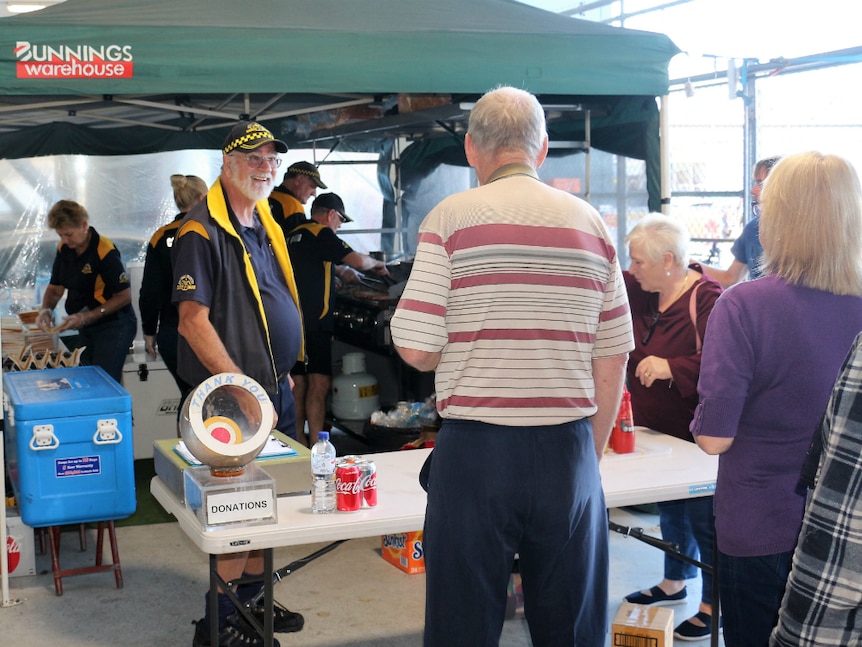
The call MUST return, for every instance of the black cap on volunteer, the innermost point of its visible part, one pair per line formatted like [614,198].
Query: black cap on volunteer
[330,201]
[307,169]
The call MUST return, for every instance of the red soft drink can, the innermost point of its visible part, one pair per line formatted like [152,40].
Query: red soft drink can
[369,483]
[348,487]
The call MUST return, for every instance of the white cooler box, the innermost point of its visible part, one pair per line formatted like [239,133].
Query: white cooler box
[155,400]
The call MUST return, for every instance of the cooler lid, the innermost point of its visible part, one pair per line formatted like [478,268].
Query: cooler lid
[64,392]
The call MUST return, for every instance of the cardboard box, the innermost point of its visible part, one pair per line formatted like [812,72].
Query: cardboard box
[20,550]
[405,551]
[639,625]
[69,445]
[292,474]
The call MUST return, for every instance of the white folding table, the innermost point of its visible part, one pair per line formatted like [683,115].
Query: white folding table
[661,468]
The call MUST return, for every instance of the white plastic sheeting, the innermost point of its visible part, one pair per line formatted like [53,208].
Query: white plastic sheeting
[128,198]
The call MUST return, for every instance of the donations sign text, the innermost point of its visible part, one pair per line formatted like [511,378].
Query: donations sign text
[39,61]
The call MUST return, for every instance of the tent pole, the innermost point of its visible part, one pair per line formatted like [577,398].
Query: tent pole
[398,239]
[749,141]
[5,600]
[587,144]
[4,556]
[664,153]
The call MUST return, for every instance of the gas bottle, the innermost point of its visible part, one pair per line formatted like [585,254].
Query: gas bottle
[355,393]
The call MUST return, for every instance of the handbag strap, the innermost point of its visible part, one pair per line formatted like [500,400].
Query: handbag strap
[692,310]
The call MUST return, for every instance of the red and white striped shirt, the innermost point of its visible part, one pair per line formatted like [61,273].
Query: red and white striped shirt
[518,285]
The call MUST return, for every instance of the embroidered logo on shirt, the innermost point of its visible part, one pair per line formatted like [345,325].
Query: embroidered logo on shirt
[186,283]
[124,278]
[87,269]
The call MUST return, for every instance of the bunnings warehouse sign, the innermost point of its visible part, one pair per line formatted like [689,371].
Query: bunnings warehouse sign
[38,61]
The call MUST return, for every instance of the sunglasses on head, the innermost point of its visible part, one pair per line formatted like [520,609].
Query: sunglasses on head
[653,321]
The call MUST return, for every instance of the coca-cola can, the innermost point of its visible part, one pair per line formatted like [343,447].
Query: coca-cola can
[369,483]
[348,487]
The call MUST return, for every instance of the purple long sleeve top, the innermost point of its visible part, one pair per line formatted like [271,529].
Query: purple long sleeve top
[771,354]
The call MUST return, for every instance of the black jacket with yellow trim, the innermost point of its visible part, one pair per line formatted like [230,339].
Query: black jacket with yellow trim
[236,296]
[286,208]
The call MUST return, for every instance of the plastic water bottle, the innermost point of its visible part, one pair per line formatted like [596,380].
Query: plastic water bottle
[323,475]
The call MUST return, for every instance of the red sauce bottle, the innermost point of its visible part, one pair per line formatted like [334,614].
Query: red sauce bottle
[623,436]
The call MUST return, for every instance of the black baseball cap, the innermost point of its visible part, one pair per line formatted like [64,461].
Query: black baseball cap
[330,201]
[307,169]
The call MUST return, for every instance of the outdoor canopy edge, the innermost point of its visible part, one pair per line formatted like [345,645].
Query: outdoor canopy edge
[341,47]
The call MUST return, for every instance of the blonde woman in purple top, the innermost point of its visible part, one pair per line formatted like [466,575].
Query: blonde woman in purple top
[772,351]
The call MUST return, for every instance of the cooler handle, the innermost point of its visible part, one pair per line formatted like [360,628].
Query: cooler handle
[107,432]
[43,438]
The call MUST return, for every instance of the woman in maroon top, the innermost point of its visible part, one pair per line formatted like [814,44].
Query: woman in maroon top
[670,303]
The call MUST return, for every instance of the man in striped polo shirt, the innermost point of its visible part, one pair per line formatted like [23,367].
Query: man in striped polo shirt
[516,300]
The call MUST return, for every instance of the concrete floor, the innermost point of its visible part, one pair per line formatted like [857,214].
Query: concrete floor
[350,597]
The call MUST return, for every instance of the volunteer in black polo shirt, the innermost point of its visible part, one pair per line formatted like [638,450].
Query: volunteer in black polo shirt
[314,250]
[99,294]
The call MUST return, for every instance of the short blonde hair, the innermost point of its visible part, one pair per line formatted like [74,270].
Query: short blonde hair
[658,234]
[67,213]
[188,190]
[811,223]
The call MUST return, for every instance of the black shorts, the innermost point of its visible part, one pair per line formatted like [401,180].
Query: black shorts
[318,349]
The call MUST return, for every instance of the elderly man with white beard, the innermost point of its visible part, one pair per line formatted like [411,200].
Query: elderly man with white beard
[239,313]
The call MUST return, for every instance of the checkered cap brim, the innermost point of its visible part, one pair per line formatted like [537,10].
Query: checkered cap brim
[249,137]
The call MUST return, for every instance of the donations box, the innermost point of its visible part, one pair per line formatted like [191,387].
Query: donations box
[245,499]
[69,445]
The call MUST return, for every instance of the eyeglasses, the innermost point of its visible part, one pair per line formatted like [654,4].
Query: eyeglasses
[256,161]
[653,321]
[341,216]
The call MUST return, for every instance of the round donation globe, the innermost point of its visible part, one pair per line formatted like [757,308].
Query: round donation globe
[225,422]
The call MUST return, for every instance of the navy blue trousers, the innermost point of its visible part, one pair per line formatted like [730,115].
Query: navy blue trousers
[166,339]
[751,592]
[495,492]
[285,407]
[108,342]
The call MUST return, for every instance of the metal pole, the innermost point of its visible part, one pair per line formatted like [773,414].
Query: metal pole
[587,141]
[398,238]
[664,155]
[749,140]
[4,560]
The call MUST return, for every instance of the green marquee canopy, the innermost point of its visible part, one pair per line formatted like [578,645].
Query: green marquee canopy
[107,77]
[452,46]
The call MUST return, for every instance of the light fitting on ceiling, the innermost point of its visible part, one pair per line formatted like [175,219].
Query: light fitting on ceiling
[23,7]
[27,7]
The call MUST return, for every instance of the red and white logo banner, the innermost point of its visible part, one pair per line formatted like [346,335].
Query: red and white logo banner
[73,61]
